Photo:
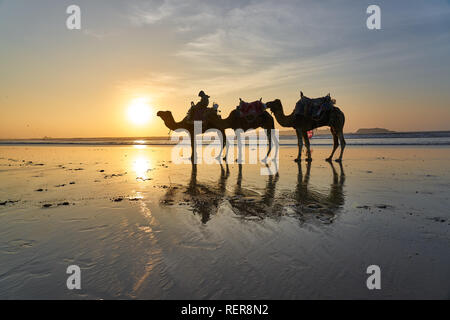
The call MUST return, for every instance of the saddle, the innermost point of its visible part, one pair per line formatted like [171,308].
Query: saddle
[199,114]
[315,108]
[251,110]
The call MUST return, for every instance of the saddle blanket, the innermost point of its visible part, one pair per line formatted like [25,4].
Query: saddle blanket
[317,107]
[254,108]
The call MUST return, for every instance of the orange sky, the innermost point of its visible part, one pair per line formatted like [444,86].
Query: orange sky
[79,83]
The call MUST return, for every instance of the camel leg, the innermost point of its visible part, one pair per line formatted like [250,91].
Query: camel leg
[193,149]
[271,126]
[308,149]
[277,146]
[223,141]
[224,145]
[226,152]
[239,157]
[335,144]
[342,141]
[269,139]
[300,145]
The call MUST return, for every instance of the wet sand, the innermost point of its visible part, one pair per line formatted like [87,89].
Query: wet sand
[142,227]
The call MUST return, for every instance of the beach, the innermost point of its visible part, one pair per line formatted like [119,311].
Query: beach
[140,226]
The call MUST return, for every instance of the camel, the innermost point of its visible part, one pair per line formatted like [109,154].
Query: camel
[170,123]
[335,119]
[235,121]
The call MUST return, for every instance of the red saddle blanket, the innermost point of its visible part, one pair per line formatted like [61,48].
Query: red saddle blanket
[254,108]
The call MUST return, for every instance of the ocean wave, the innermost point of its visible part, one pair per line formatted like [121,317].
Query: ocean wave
[437,138]
[282,144]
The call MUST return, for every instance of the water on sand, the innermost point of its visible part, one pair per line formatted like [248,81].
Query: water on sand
[140,226]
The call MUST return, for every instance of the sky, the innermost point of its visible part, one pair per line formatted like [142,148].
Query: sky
[57,82]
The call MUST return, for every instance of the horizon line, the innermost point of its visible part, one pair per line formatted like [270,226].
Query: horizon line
[166,137]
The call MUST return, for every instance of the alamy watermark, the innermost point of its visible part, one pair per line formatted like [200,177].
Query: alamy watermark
[374,280]
[373,22]
[213,147]
[73,22]
[74,280]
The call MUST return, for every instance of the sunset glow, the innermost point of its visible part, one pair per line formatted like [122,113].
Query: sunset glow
[165,53]
[243,150]
[139,111]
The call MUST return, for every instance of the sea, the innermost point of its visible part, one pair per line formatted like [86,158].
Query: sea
[424,138]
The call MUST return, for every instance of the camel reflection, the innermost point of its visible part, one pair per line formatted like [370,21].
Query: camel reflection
[310,203]
[305,202]
[248,203]
[205,199]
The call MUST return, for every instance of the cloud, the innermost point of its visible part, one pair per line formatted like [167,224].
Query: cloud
[160,84]
[176,12]
[98,34]
[250,35]
[250,45]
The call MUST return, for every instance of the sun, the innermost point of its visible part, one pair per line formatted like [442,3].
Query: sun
[139,111]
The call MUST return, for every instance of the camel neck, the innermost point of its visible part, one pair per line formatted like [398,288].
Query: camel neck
[171,124]
[283,120]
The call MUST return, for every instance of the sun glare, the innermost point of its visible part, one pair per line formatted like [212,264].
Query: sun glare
[141,166]
[139,111]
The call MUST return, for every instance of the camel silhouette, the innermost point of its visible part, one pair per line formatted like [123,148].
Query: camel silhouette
[235,121]
[170,123]
[333,118]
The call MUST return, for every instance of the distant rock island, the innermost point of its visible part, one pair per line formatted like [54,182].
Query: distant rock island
[373,130]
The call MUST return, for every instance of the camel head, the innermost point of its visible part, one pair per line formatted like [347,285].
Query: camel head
[165,115]
[274,105]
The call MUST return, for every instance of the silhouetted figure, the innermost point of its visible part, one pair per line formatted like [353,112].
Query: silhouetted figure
[197,110]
